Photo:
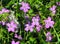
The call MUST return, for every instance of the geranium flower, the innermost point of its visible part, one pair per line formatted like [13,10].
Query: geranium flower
[25,7]
[28,27]
[48,36]
[48,22]
[11,26]
[35,21]
[53,9]
[18,36]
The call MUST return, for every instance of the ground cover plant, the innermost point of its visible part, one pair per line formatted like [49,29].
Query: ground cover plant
[29,22]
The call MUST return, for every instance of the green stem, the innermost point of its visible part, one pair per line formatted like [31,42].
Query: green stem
[56,34]
[40,37]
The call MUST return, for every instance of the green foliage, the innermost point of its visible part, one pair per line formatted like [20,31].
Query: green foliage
[40,7]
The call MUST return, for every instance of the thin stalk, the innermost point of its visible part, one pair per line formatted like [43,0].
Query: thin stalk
[56,34]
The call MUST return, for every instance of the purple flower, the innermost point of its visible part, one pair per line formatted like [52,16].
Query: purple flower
[35,21]
[11,26]
[58,3]
[53,12]
[5,10]
[38,28]
[13,42]
[48,22]
[28,27]
[25,7]
[53,9]
[18,36]
[48,36]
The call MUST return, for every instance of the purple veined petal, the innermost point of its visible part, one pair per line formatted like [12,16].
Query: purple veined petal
[36,23]
[20,38]
[23,3]
[8,24]
[46,26]
[27,4]
[11,29]
[48,34]
[49,38]
[51,25]
[31,29]
[37,20]
[13,42]
[21,8]
[28,7]
[37,17]
[52,22]
[27,25]
[25,10]
[13,24]
[38,29]
[53,12]
[33,24]
[27,29]
[46,21]
[49,18]
[16,36]
[3,10]
[33,19]
[53,8]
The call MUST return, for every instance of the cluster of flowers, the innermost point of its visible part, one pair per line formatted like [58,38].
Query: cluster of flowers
[12,26]
[35,21]
[25,7]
